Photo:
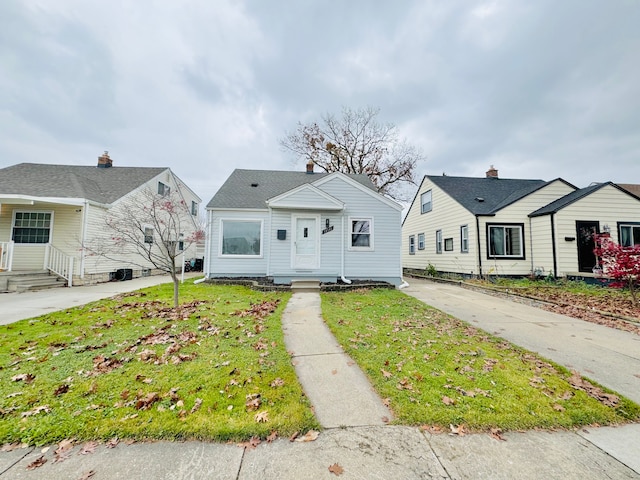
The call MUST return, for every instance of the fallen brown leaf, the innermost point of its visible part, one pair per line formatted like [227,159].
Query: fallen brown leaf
[113,442]
[497,434]
[448,401]
[64,450]
[310,436]
[336,469]
[457,430]
[88,448]
[262,417]
[87,475]
[38,462]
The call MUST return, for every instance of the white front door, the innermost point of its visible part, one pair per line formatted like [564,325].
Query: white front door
[306,244]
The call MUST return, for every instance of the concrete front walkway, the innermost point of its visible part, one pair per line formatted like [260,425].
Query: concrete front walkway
[340,393]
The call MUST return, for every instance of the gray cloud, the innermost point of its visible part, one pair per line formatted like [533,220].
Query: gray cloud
[539,89]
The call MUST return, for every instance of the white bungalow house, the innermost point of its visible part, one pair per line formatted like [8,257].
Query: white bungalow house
[287,226]
[513,227]
[50,214]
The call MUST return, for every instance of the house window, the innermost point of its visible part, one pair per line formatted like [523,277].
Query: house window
[241,237]
[412,244]
[421,241]
[361,231]
[438,241]
[163,189]
[194,209]
[505,241]
[425,202]
[181,245]
[629,234]
[148,235]
[464,238]
[31,227]
[448,244]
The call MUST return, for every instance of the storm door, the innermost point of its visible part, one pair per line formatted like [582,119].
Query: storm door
[586,244]
[306,244]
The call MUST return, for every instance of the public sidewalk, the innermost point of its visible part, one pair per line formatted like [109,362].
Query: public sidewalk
[362,452]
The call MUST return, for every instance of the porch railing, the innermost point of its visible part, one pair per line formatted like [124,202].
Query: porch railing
[6,255]
[59,263]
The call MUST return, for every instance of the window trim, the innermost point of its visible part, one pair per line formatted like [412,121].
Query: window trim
[237,220]
[464,238]
[50,228]
[163,189]
[421,241]
[448,244]
[148,238]
[412,244]
[521,256]
[630,225]
[356,248]
[439,242]
[430,203]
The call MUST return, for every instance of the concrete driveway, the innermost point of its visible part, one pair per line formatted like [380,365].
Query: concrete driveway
[610,357]
[18,306]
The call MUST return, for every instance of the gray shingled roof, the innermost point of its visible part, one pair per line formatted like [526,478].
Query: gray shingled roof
[496,193]
[238,192]
[574,196]
[102,185]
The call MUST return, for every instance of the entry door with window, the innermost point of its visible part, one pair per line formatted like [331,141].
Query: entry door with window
[306,243]
[586,245]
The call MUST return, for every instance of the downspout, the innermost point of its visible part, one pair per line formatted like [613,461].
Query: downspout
[531,247]
[85,216]
[345,280]
[206,265]
[553,246]
[478,245]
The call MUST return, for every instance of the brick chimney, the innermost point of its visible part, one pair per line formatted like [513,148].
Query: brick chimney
[310,167]
[492,172]
[104,161]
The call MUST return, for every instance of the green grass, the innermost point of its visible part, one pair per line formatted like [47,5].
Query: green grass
[104,370]
[437,370]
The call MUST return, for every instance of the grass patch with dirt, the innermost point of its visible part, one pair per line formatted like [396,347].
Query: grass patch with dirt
[433,369]
[132,367]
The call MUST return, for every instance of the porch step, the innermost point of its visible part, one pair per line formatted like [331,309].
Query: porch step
[23,282]
[305,285]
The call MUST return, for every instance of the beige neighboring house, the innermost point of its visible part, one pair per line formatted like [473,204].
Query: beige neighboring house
[50,214]
[514,227]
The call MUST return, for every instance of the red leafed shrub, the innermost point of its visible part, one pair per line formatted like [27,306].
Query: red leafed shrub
[622,264]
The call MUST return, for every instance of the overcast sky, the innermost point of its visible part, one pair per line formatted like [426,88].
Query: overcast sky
[540,89]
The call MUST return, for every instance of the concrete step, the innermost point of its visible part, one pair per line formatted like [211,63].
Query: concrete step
[305,285]
[34,281]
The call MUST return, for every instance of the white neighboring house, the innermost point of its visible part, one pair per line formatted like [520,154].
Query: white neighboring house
[494,226]
[50,214]
[288,225]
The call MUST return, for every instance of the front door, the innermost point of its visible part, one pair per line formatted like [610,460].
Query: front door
[586,244]
[306,242]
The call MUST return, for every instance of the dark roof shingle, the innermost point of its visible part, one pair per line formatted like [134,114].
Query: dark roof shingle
[238,192]
[485,196]
[102,185]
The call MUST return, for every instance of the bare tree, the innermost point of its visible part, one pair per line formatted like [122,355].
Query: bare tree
[151,229]
[358,143]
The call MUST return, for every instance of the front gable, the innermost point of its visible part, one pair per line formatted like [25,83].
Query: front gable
[307,197]
[338,176]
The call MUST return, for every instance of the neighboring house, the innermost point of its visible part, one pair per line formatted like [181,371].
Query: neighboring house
[51,214]
[290,226]
[495,226]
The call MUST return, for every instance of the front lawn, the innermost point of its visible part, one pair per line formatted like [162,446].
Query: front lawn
[132,367]
[436,370]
